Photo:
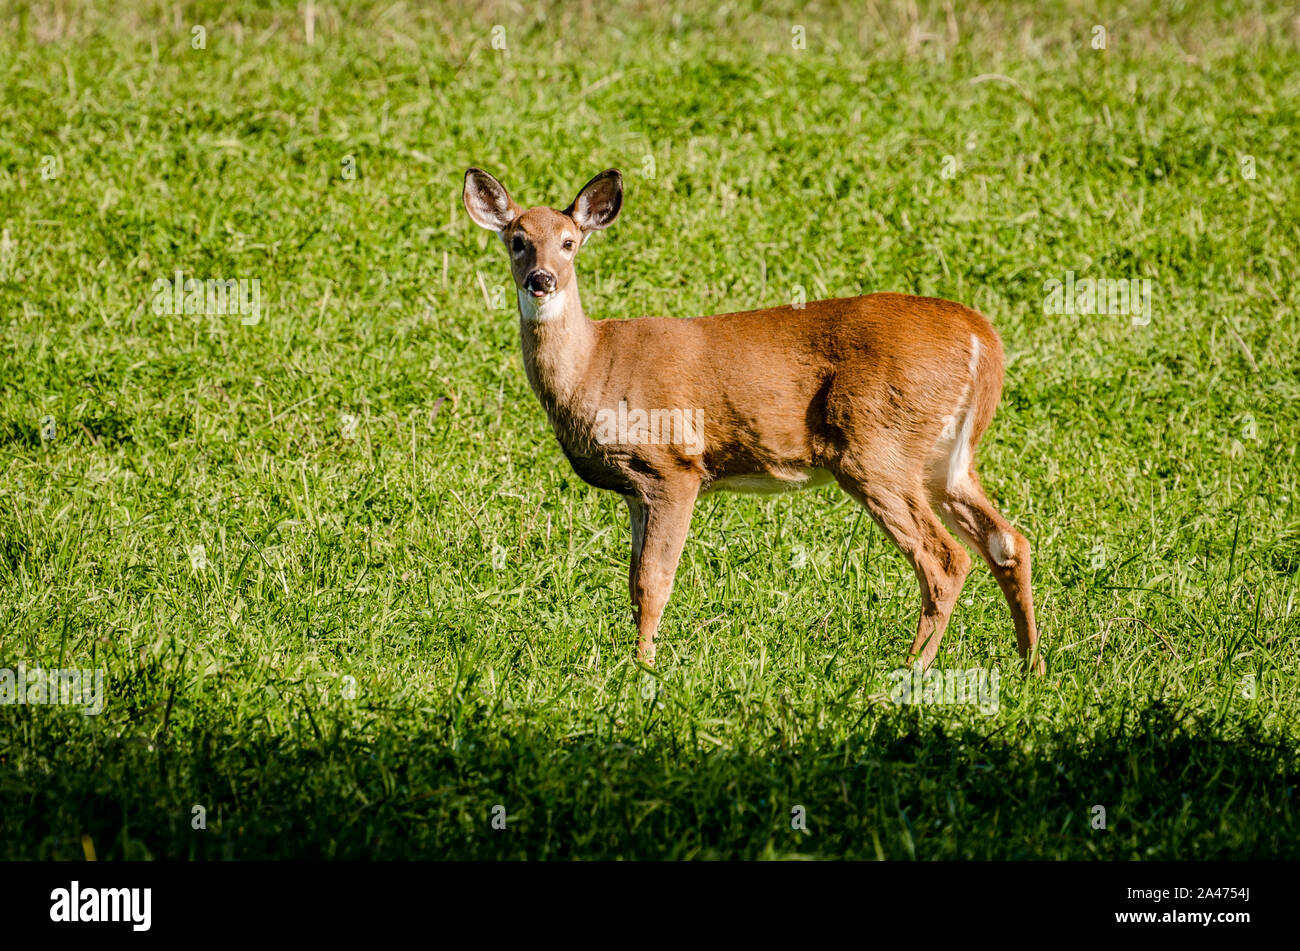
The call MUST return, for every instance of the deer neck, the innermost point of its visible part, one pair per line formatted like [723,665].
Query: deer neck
[558,341]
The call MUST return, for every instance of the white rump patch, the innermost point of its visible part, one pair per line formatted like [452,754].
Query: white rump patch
[959,457]
[1002,548]
[540,309]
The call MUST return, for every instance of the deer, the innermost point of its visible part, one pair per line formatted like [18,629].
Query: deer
[885,395]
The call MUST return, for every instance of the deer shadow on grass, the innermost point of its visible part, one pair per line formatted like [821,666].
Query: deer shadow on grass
[901,787]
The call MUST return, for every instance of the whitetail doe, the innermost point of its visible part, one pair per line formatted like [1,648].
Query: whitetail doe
[885,394]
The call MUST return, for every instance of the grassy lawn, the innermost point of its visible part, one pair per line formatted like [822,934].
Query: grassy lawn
[349,598]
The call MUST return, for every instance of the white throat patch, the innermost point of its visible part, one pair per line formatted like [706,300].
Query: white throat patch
[540,309]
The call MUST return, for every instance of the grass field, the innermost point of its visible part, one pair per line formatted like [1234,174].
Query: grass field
[346,592]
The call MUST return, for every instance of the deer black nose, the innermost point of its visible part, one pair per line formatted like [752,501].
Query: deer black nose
[540,281]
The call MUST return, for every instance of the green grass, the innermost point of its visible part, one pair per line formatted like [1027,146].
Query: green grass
[444,556]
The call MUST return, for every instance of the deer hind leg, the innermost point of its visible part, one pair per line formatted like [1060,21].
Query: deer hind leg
[965,508]
[940,563]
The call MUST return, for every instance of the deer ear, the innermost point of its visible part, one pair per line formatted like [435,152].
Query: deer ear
[487,201]
[599,202]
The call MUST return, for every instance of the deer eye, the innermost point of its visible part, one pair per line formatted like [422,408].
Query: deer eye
[568,244]
[517,245]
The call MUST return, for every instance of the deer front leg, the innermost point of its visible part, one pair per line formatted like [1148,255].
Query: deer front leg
[666,520]
[637,510]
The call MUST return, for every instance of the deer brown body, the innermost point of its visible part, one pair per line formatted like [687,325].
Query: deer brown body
[886,395]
